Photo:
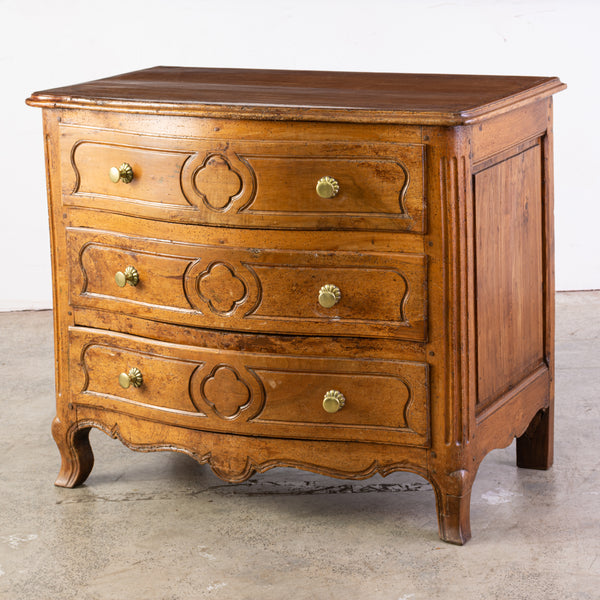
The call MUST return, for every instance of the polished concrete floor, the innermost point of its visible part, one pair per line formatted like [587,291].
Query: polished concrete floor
[159,526]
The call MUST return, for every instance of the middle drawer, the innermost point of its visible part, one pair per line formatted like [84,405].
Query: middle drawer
[378,294]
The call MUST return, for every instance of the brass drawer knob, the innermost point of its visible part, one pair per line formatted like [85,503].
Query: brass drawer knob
[329,295]
[327,187]
[130,276]
[333,401]
[133,377]
[123,173]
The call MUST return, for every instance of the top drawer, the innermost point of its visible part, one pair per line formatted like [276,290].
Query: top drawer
[247,183]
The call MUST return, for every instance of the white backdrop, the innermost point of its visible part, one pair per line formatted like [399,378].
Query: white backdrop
[48,43]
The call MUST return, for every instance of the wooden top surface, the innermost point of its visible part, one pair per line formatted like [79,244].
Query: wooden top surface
[305,95]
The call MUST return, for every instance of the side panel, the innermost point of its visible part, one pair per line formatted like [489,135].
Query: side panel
[509,273]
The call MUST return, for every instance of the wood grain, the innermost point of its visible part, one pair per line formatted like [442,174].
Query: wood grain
[251,289]
[510,308]
[258,184]
[441,241]
[252,393]
[313,95]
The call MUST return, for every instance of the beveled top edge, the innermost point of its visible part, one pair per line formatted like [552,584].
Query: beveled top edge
[408,98]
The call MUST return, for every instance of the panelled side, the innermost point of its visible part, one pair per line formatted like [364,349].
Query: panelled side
[509,273]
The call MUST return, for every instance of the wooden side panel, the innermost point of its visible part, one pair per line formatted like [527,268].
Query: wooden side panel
[509,272]
[503,132]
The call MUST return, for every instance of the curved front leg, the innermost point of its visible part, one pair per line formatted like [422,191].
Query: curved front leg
[454,516]
[453,504]
[77,458]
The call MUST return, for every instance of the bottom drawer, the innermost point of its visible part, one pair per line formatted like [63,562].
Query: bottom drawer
[250,393]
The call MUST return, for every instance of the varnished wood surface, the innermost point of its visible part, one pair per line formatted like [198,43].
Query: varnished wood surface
[445,350]
[509,274]
[503,133]
[244,93]
[251,289]
[245,183]
[245,455]
[253,393]
[299,345]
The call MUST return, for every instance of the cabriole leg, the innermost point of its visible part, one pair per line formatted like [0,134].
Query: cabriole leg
[77,458]
[454,516]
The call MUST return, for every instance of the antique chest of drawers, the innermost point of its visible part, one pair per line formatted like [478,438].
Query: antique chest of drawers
[347,273]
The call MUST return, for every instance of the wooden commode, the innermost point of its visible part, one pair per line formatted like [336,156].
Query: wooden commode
[347,273]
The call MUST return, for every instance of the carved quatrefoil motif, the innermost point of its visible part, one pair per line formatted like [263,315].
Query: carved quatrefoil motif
[217,183]
[221,288]
[225,392]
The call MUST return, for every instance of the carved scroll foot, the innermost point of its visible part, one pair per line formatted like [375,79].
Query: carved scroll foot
[77,458]
[454,517]
[535,448]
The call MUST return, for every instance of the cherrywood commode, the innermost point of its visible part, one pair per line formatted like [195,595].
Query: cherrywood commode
[348,273]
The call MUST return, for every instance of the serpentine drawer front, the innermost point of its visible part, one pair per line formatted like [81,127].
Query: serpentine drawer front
[347,273]
[251,393]
[247,183]
[254,289]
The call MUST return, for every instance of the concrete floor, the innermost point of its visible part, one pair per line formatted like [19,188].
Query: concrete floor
[159,526]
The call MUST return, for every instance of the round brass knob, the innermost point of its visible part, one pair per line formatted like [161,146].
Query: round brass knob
[329,295]
[327,187]
[130,276]
[333,401]
[133,377]
[123,173]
